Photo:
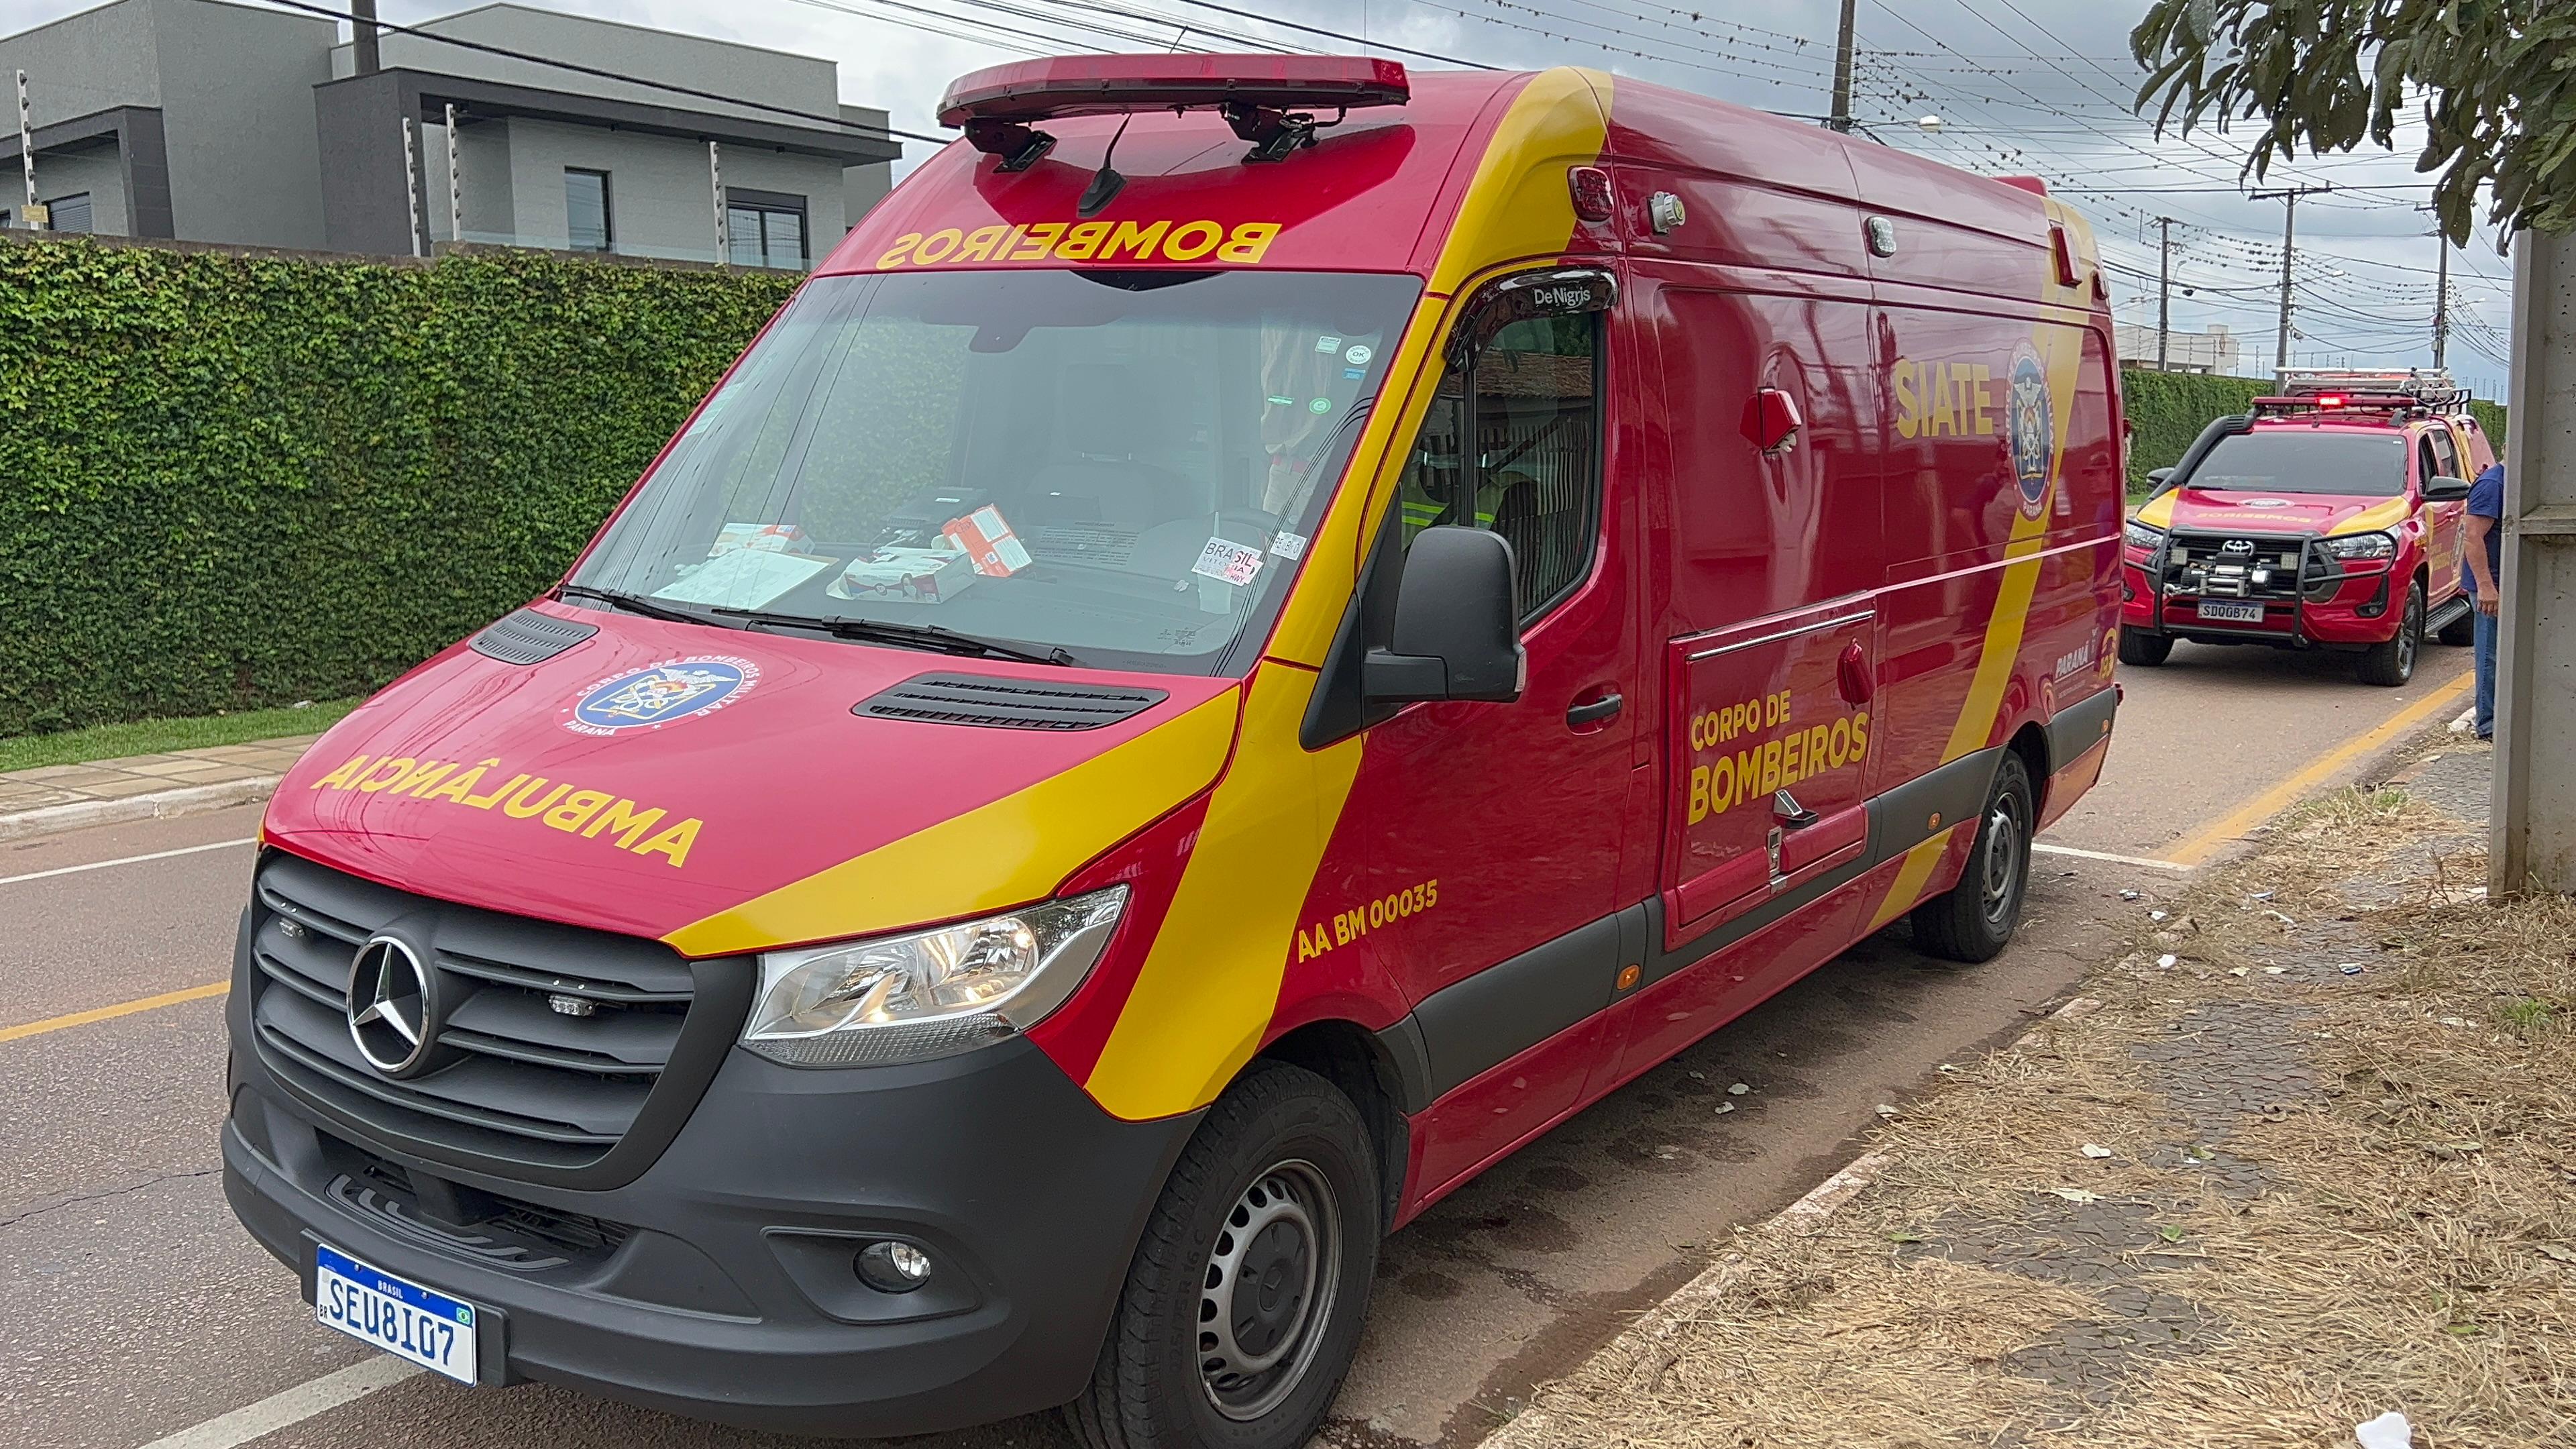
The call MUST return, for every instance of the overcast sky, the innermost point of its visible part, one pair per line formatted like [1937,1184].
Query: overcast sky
[2019,86]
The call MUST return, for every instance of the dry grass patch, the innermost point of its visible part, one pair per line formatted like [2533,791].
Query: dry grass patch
[2408,1240]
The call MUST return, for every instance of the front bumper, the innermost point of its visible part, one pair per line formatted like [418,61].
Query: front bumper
[718,1283]
[2344,605]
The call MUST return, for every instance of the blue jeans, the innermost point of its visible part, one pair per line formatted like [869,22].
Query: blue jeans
[2483,646]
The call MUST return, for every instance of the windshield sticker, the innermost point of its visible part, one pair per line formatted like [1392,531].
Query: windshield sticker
[1277,401]
[1358,355]
[588,813]
[1328,344]
[665,693]
[1320,405]
[1245,242]
[988,540]
[747,578]
[766,537]
[1228,562]
[906,576]
[1289,545]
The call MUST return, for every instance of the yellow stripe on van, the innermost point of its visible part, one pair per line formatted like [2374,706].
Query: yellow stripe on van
[1517,207]
[2061,349]
[1006,853]
[1210,984]
[1206,992]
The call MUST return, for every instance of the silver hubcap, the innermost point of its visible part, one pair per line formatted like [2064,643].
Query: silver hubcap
[2000,881]
[1268,1290]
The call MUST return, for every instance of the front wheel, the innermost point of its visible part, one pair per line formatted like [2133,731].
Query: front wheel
[1242,1308]
[2144,649]
[2391,662]
[1973,919]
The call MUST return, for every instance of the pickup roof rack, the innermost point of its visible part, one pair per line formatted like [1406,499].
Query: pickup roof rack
[2426,387]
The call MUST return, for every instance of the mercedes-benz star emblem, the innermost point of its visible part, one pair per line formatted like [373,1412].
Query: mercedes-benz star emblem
[392,1011]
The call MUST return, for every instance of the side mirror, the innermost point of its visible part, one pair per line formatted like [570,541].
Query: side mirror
[2445,490]
[1457,622]
[2156,477]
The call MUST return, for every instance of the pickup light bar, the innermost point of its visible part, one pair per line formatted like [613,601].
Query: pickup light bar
[1265,98]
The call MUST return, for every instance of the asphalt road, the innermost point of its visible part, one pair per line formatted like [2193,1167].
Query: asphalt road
[132,1308]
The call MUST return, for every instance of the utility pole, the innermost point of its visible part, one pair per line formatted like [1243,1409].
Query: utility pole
[362,37]
[1842,117]
[2289,239]
[2164,287]
[2442,306]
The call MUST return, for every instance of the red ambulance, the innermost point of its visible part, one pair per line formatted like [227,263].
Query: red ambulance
[1261,633]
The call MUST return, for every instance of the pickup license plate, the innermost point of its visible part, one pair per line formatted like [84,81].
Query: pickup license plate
[2231,612]
[402,1318]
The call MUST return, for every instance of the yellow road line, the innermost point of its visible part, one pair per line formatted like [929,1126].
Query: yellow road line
[2200,847]
[109,1013]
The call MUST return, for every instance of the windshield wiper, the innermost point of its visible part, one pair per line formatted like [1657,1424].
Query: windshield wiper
[909,636]
[636,604]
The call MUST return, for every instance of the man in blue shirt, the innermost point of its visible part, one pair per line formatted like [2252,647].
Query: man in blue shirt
[2485,558]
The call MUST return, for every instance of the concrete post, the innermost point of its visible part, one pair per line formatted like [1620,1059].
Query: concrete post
[455,184]
[411,179]
[715,184]
[27,149]
[2531,842]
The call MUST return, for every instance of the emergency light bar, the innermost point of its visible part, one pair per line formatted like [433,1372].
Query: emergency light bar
[1257,94]
[2332,387]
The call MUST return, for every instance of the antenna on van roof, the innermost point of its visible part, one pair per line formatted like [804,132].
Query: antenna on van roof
[1106,183]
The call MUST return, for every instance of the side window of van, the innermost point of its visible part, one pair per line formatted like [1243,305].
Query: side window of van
[1529,400]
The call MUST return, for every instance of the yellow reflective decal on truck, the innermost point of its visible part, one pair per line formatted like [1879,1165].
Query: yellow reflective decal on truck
[1244,243]
[592,814]
[1006,853]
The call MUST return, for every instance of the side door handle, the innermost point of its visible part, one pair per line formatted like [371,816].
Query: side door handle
[1851,673]
[1593,711]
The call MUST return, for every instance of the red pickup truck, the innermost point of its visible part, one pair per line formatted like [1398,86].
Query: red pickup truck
[2332,517]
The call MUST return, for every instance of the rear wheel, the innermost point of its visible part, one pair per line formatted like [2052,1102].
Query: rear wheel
[1973,919]
[2144,649]
[1242,1308]
[2391,662]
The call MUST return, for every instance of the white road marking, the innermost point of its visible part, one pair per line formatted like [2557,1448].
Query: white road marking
[120,860]
[2047,849]
[291,1406]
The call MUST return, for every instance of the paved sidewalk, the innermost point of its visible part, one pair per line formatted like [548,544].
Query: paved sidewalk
[2301,1159]
[58,797]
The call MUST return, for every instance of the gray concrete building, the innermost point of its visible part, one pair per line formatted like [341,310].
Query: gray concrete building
[209,121]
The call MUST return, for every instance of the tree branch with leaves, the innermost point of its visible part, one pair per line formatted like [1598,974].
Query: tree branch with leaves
[2495,81]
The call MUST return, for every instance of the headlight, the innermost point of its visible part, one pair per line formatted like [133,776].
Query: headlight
[931,993]
[2141,535]
[2362,545]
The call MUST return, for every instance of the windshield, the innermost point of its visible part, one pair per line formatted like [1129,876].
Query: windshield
[2357,465]
[1125,466]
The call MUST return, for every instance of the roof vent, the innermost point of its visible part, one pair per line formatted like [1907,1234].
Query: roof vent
[1009,704]
[528,637]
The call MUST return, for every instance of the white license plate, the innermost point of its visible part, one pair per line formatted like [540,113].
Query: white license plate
[2231,612]
[402,1318]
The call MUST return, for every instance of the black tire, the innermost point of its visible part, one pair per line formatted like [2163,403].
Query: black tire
[1284,1146]
[2147,650]
[2461,632]
[2391,662]
[1973,919]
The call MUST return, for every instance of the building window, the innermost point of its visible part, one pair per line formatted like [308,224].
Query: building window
[765,229]
[586,225]
[71,213]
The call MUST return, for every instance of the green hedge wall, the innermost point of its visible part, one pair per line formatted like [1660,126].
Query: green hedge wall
[232,480]
[2168,410]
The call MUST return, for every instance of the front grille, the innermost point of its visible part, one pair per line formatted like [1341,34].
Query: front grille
[513,1079]
[502,1232]
[1013,704]
[2241,566]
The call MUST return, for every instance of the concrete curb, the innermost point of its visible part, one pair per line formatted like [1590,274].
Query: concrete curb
[158,805]
[1645,1345]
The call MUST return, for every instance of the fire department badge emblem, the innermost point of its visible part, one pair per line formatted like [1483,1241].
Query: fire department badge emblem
[2031,423]
[662,694]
